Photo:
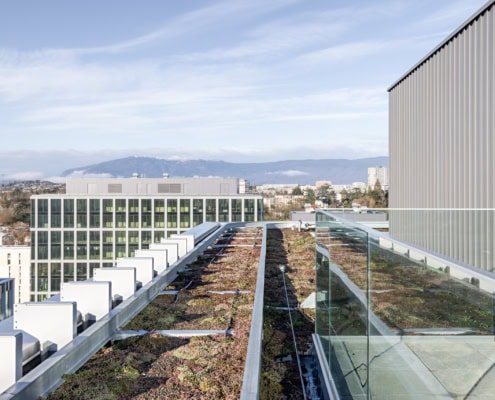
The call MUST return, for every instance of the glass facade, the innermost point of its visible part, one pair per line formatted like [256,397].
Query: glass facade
[42,213]
[72,236]
[185,213]
[82,213]
[223,210]
[236,210]
[68,213]
[211,210]
[94,213]
[394,321]
[56,213]
[159,213]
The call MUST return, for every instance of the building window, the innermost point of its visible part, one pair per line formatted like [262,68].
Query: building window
[68,213]
[211,210]
[249,210]
[42,245]
[260,210]
[120,213]
[82,271]
[55,277]
[69,245]
[42,213]
[94,213]
[55,245]
[33,277]
[133,216]
[197,211]
[33,213]
[120,242]
[82,245]
[133,242]
[171,213]
[82,213]
[107,213]
[108,245]
[42,277]
[185,213]
[236,210]
[159,236]
[145,239]
[56,213]
[223,210]
[145,213]
[94,245]
[159,214]
[68,272]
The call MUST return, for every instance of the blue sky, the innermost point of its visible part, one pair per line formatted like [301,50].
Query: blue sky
[250,80]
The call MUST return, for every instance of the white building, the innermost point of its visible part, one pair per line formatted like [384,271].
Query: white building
[378,174]
[101,219]
[15,262]
[320,184]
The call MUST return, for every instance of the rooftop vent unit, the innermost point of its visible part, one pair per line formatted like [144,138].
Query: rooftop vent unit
[135,175]
[165,175]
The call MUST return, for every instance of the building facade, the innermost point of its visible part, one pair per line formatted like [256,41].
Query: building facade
[100,220]
[378,174]
[6,298]
[442,146]
[15,263]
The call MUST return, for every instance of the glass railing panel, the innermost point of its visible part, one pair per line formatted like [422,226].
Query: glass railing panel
[408,314]
[343,253]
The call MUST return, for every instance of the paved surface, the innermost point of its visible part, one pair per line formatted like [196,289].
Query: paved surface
[418,367]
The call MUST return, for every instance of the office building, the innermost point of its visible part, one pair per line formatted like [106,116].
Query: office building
[378,174]
[99,220]
[442,146]
[15,263]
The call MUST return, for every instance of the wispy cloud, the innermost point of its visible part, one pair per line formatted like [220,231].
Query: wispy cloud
[211,16]
[343,52]
[290,172]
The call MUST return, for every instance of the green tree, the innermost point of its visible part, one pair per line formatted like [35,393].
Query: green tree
[378,197]
[310,196]
[297,191]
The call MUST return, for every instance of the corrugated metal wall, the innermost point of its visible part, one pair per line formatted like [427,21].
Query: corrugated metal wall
[442,148]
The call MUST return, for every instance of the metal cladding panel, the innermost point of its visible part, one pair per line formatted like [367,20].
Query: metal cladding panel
[442,147]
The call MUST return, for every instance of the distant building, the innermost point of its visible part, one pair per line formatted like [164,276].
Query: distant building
[282,200]
[15,262]
[359,185]
[100,220]
[378,174]
[320,184]
[276,188]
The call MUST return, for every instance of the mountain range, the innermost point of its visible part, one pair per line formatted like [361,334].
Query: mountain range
[339,171]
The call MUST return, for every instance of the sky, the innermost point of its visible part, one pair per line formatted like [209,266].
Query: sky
[252,80]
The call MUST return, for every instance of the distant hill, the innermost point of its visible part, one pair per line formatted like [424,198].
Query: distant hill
[339,171]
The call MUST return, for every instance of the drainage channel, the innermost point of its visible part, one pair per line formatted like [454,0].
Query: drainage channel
[190,342]
[287,364]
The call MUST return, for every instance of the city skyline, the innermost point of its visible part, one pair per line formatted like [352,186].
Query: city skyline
[209,80]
